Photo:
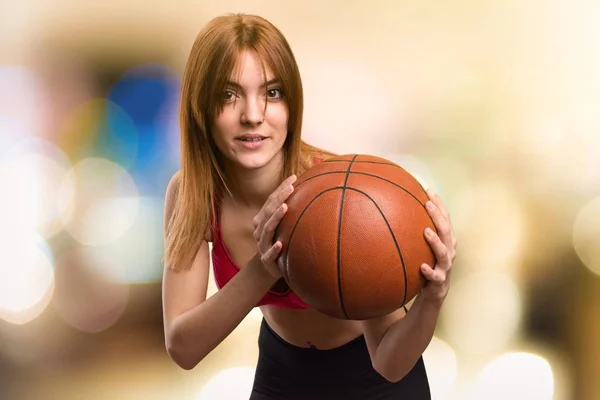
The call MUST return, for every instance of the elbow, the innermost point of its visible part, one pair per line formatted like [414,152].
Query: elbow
[188,366]
[178,353]
[393,373]
[180,359]
[392,376]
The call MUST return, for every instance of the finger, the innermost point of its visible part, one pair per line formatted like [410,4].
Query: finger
[266,236]
[431,274]
[272,254]
[282,192]
[273,202]
[285,189]
[288,181]
[439,249]
[442,208]
[442,225]
[433,196]
[278,197]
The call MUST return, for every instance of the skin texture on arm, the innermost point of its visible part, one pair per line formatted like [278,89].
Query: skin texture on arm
[194,325]
[395,341]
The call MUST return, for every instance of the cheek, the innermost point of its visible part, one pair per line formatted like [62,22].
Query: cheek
[219,135]
[280,119]
[223,126]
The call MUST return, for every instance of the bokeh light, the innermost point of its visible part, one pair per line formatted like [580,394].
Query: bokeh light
[452,181]
[230,384]
[136,256]
[32,171]
[255,315]
[212,286]
[417,168]
[482,312]
[98,201]
[492,226]
[494,105]
[586,235]
[563,149]
[149,94]
[145,92]
[82,297]
[26,276]
[442,368]
[22,105]
[99,128]
[365,104]
[515,376]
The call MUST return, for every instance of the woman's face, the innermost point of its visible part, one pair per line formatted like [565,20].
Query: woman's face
[248,134]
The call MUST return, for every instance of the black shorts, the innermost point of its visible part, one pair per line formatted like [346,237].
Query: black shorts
[285,371]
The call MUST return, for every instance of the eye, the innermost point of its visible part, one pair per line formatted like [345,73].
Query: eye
[275,94]
[229,95]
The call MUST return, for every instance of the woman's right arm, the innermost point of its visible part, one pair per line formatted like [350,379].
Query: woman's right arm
[194,325]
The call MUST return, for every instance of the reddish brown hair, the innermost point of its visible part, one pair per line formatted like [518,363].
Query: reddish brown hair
[212,59]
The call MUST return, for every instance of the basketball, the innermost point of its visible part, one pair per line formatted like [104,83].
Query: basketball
[353,237]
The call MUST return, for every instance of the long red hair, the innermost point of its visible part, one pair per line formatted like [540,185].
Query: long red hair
[212,59]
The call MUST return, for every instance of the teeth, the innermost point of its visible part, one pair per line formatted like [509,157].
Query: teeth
[251,139]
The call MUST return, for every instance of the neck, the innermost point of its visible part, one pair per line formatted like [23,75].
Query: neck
[251,187]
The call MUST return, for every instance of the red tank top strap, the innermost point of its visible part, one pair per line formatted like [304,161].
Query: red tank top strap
[318,159]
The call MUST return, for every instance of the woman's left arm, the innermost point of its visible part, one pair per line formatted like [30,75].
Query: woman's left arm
[396,341]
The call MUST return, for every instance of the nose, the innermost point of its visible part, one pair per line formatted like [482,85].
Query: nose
[253,112]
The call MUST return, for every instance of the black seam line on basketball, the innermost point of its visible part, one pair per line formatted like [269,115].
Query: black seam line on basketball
[393,237]
[365,174]
[287,253]
[339,238]
[398,186]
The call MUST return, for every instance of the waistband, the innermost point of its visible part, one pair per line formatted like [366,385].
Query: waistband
[288,371]
[350,348]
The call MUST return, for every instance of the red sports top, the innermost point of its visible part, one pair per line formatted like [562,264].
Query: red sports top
[225,269]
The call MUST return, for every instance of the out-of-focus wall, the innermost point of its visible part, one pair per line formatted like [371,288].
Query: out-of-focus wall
[494,104]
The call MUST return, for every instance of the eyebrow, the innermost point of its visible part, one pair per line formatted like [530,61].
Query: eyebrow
[238,86]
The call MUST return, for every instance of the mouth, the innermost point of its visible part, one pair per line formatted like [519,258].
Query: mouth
[250,137]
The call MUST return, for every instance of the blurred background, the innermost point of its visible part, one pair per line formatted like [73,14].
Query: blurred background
[494,104]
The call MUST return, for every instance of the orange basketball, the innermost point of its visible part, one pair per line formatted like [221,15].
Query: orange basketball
[353,237]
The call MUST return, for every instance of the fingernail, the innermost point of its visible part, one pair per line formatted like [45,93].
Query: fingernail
[430,205]
[428,232]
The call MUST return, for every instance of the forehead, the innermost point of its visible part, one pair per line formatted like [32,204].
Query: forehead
[251,70]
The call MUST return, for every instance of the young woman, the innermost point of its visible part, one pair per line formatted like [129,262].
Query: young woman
[241,119]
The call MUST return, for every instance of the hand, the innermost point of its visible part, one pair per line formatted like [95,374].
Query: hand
[265,223]
[443,245]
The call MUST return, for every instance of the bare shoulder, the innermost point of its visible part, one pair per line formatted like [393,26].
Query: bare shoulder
[171,197]
[184,287]
[173,187]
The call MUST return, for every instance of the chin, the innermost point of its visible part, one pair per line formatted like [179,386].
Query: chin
[255,161]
